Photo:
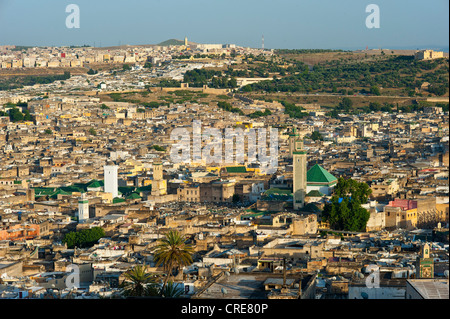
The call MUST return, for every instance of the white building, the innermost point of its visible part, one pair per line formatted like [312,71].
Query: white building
[83,208]
[110,180]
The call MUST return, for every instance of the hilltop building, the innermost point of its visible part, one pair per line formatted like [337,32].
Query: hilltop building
[428,55]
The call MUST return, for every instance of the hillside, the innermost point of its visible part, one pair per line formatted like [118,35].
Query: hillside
[171,42]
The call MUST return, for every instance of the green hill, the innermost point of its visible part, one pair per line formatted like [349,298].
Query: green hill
[171,42]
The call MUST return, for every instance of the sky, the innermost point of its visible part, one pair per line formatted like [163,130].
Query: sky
[288,24]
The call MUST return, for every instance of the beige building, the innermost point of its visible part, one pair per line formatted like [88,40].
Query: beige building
[428,55]
[304,225]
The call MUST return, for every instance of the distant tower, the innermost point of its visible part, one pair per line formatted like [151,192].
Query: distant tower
[391,149]
[425,263]
[299,176]
[262,42]
[185,41]
[110,180]
[440,132]
[158,183]
[157,171]
[293,138]
[83,208]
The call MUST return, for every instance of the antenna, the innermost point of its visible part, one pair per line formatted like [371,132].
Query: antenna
[263,42]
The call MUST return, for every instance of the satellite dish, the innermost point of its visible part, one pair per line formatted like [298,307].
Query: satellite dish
[227,274]
[236,271]
[364,295]
[224,291]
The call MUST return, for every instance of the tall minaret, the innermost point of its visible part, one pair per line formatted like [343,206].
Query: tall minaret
[110,180]
[425,263]
[299,177]
[158,183]
[293,138]
[185,41]
[83,208]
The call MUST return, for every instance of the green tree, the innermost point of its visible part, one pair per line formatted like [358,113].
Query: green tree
[83,238]
[92,131]
[48,131]
[438,89]
[344,211]
[158,148]
[172,252]
[345,104]
[27,116]
[15,115]
[138,282]
[375,90]
[171,290]
[316,136]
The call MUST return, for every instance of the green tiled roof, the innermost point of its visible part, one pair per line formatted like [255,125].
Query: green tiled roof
[78,188]
[125,190]
[277,194]
[311,208]
[95,184]
[59,191]
[236,169]
[314,193]
[317,174]
[42,191]
[278,191]
[118,200]
[147,188]
[133,196]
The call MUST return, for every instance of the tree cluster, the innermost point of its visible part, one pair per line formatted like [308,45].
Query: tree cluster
[344,211]
[83,238]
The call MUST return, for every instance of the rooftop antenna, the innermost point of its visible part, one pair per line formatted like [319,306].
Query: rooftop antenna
[263,42]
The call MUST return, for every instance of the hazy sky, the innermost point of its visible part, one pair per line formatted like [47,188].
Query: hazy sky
[284,23]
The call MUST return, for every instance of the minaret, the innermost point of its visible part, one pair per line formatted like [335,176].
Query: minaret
[299,175]
[425,263]
[293,137]
[111,183]
[158,183]
[83,208]
[440,133]
[185,41]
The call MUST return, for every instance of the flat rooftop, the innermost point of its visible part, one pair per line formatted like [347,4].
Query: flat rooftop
[431,288]
[248,286]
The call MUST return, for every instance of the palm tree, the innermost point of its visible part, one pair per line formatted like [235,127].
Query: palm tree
[172,290]
[172,252]
[138,282]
